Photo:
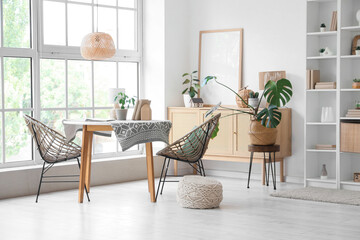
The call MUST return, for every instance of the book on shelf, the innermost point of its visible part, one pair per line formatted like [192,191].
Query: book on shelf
[313,78]
[308,79]
[333,26]
[325,147]
[325,85]
[353,113]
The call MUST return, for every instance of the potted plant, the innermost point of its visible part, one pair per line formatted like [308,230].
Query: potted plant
[124,102]
[357,50]
[192,85]
[323,27]
[253,99]
[356,83]
[322,51]
[263,122]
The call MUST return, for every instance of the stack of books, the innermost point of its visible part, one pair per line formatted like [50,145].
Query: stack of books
[325,85]
[325,147]
[354,113]
[312,77]
[333,26]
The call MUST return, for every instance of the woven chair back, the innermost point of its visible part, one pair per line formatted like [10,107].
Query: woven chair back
[193,145]
[53,147]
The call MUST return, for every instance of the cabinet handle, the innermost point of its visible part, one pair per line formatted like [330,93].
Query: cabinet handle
[235,133]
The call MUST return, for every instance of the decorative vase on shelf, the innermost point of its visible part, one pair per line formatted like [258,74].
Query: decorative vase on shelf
[323,173]
[328,52]
[323,29]
[356,85]
[187,100]
[358,16]
[357,52]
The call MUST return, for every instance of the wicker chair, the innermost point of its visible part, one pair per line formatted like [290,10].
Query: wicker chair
[190,149]
[53,148]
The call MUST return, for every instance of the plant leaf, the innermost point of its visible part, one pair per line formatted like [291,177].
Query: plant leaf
[186,81]
[215,132]
[270,117]
[278,93]
[197,85]
[183,92]
[185,74]
[194,72]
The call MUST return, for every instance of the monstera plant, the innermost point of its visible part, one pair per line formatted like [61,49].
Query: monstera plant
[263,122]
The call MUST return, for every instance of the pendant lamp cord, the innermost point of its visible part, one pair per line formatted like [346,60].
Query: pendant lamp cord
[97,16]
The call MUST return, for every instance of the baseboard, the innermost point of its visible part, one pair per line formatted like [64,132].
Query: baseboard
[254,176]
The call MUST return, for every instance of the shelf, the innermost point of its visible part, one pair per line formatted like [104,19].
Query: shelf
[349,118]
[350,182]
[320,1]
[321,57]
[328,33]
[350,57]
[321,90]
[351,28]
[320,124]
[350,90]
[329,180]
[321,151]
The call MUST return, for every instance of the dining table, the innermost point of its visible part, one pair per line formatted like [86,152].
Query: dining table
[128,134]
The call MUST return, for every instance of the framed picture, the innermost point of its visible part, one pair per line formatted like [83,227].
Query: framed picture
[264,77]
[220,55]
[355,43]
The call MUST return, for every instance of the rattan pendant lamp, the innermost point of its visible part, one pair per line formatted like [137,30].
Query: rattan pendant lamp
[97,45]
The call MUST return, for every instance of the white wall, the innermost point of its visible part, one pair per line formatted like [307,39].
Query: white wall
[274,39]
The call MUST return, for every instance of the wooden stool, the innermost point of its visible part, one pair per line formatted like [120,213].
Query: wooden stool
[264,149]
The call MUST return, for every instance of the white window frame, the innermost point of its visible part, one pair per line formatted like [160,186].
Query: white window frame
[38,51]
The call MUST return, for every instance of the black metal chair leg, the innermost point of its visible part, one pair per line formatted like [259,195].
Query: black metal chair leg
[41,177]
[199,167]
[167,168]
[86,191]
[203,169]
[162,171]
[251,160]
[274,177]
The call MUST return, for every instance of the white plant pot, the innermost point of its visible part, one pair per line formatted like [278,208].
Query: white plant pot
[187,100]
[254,102]
[322,29]
[121,114]
[357,52]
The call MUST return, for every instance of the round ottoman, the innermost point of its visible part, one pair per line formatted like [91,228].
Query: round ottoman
[199,192]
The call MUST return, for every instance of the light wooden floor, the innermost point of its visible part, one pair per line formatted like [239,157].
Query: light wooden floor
[123,211]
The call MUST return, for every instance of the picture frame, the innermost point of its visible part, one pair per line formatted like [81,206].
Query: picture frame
[355,44]
[220,55]
[264,77]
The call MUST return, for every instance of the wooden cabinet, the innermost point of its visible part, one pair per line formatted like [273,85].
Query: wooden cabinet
[223,144]
[350,137]
[232,141]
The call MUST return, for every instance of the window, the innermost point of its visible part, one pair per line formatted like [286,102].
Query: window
[43,74]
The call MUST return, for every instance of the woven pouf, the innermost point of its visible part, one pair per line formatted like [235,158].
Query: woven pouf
[199,192]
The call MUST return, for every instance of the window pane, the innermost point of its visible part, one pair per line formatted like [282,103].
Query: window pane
[104,144]
[126,29]
[107,21]
[107,2]
[17,138]
[53,119]
[126,3]
[80,22]
[104,78]
[79,83]
[54,23]
[16,15]
[52,83]
[17,80]
[128,77]
[82,1]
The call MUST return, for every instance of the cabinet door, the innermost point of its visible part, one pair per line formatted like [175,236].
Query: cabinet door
[183,122]
[224,141]
[242,139]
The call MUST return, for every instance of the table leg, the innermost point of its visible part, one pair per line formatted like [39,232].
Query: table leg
[175,168]
[251,160]
[282,170]
[88,159]
[83,166]
[150,170]
[264,170]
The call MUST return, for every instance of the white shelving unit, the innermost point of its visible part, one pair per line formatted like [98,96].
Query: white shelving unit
[341,68]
